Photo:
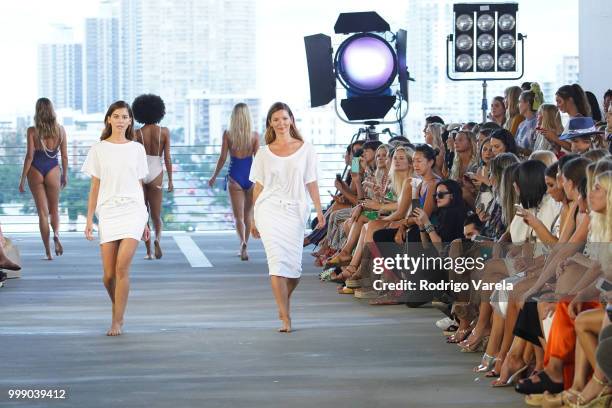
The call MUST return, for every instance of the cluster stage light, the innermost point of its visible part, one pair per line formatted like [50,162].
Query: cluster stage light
[485,37]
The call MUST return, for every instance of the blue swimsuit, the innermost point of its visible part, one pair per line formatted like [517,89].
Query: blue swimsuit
[239,170]
[44,159]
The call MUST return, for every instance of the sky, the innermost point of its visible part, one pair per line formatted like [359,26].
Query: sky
[551,26]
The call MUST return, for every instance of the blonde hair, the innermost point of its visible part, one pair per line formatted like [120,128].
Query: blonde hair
[397,179]
[436,130]
[240,128]
[45,120]
[512,110]
[551,118]
[473,156]
[545,156]
[601,224]
[270,135]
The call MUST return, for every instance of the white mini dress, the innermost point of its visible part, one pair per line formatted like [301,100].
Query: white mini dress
[120,209]
[281,210]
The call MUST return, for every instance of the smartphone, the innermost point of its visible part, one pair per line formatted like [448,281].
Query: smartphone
[355,165]
[609,311]
[338,176]
[416,203]
[481,207]
[603,285]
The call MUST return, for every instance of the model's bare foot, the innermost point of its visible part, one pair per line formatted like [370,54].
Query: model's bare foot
[115,329]
[244,256]
[158,251]
[59,249]
[286,327]
[48,257]
[6,263]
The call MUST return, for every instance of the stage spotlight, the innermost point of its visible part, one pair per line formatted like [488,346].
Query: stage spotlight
[492,27]
[366,64]
[485,45]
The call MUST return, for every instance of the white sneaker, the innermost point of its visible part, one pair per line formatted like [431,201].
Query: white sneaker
[445,323]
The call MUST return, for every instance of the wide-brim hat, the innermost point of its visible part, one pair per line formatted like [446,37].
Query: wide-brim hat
[580,127]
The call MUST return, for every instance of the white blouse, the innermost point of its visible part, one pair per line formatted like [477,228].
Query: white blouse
[120,167]
[285,177]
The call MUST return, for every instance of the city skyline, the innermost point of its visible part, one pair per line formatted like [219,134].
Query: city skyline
[280,60]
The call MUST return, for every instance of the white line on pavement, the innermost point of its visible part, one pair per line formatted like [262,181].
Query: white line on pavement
[196,258]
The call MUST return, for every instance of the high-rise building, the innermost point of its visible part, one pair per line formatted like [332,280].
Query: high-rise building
[568,70]
[60,74]
[176,48]
[101,63]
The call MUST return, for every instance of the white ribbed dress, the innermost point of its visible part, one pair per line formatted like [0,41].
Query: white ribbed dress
[281,209]
[120,209]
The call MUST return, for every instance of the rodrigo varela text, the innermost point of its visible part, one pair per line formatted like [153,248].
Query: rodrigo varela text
[409,264]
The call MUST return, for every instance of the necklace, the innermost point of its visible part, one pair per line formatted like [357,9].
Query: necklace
[47,151]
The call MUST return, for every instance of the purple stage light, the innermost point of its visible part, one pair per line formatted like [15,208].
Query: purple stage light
[367,63]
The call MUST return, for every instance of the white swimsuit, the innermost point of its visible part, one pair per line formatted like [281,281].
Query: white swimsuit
[154,162]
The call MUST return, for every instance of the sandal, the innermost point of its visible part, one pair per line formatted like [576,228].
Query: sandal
[459,336]
[603,399]
[513,379]
[343,290]
[486,364]
[354,281]
[338,260]
[545,384]
[325,276]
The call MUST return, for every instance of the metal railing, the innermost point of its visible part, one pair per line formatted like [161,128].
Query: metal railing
[193,206]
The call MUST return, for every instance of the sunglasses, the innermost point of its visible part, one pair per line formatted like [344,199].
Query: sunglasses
[442,194]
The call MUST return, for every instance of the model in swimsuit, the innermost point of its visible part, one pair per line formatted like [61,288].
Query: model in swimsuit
[45,141]
[150,110]
[241,143]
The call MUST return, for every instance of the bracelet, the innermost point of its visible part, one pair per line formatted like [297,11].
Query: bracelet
[429,228]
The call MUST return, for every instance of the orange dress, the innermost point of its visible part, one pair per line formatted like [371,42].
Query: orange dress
[561,342]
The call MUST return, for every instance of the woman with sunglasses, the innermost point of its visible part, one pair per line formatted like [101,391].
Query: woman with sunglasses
[450,214]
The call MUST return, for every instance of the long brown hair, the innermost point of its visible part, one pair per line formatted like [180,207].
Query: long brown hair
[45,120]
[576,93]
[270,135]
[108,130]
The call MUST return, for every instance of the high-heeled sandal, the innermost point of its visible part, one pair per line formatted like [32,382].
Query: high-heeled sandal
[338,260]
[477,347]
[513,379]
[459,336]
[486,364]
[602,400]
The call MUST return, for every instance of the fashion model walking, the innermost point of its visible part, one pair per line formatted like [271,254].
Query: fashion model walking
[117,166]
[46,140]
[284,172]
